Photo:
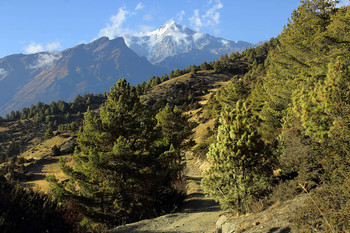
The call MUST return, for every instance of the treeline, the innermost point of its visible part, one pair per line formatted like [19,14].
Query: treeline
[284,127]
[155,80]
[40,111]
[41,120]
[224,64]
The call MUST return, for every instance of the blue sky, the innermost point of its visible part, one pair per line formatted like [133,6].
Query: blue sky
[41,25]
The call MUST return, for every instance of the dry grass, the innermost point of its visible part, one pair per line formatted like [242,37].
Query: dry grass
[43,170]
[42,149]
[201,130]
[50,166]
[3,129]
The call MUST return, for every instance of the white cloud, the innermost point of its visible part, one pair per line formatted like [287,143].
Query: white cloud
[147,17]
[198,35]
[210,18]
[45,60]
[196,21]
[179,16]
[114,29]
[53,46]
[34,48]
[343,3]
[224,42]
[139,6]
[146,28]
[3,71]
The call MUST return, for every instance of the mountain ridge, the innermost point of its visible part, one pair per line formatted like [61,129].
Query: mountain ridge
[94,67]
[50,76]
[176,43]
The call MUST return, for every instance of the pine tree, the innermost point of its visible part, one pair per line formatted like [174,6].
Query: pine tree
[303,48]
[240,161]
[299,60]
[125,169]
[175,126]
[324,114]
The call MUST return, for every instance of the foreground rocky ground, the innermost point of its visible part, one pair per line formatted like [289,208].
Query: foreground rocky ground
[201,214]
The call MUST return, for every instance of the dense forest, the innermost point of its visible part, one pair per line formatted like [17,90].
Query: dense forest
[282,129]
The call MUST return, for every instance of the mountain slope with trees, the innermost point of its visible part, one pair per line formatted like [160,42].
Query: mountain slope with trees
[278,134]
[300,95]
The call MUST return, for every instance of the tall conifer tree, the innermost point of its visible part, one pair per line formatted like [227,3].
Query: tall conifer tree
[125,168]
[240,161]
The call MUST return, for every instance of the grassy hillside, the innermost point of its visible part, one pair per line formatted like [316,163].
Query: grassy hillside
[36,152]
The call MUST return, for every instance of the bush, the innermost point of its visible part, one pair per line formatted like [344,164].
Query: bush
[56,151]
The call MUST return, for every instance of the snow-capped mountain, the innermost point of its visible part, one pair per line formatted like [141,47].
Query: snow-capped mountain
[96,66]
[174,45]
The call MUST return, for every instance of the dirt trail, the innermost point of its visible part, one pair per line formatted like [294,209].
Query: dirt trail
[197,214]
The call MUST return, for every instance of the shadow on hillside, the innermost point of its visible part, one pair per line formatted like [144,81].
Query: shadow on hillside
[38,166]
[278,230]
[192,178]
[35,177]
[199,205]
[135,229]
[195,195]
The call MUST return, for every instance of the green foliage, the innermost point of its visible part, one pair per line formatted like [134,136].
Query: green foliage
[324,115]
[13,149]
[241,164]
[175,126]
[235,90]
[48,133]
[68,127]
[306,107]
[303,49]
[126,169]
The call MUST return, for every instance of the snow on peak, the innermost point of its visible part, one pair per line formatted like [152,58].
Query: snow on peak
[172,39]
[169,29]
[180,35]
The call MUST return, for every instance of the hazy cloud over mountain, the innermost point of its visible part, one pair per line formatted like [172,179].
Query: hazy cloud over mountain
[34,47]
[3,71]
[45,59]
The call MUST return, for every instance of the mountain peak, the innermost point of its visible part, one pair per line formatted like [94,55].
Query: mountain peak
[173,39]
[172,25]
[170,29]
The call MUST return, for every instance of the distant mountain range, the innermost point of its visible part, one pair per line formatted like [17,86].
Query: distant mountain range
[174,46]
[86,68]
[96,66]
